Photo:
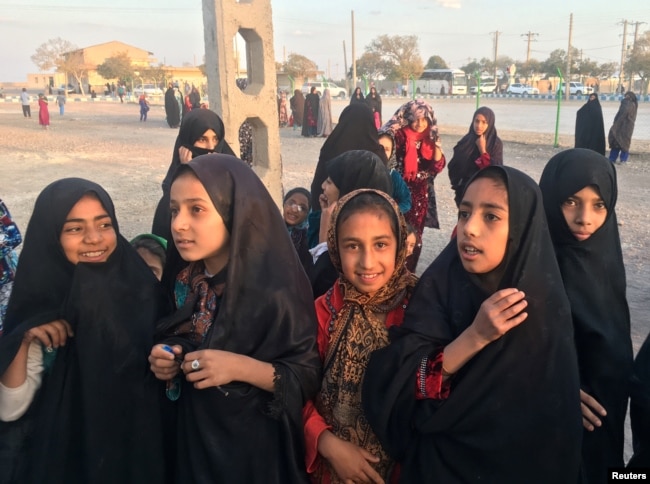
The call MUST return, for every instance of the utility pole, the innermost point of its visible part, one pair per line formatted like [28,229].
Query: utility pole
[567,76]
[496,53]
[636,36]
[623,52]
[345,64]
[354,56]
[529,35]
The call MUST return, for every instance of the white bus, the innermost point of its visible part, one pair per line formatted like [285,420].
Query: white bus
[441,81]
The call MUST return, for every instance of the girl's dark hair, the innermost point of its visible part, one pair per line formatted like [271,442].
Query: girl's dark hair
[152,246]
[411,230]
[369,202]
[493,173]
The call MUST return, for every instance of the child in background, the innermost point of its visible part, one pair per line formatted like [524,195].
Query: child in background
[580,191]
[367,244]
[10,238]
[411,239]
[144,107]
[401,193]
[479,148]
[60,100]
[295,208]
[244,331]
[153,250]
[466,391]
[43,112]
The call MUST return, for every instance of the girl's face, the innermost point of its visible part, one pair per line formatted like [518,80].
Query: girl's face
[584,212]
[207,140]
[368,249]
[480,124]
[411,240]
[197,228]
[330,191]
[387,142]
[420,125]
[357,91]
[295,209]
[483,226]
[152,260]
[88,234]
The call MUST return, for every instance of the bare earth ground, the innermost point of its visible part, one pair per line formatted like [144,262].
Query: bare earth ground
[105,142]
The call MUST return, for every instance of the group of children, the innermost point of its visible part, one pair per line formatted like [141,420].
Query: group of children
[210,361]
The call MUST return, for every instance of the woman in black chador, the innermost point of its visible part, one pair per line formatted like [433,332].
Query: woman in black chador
[590,128]
[579,188]
[480,384]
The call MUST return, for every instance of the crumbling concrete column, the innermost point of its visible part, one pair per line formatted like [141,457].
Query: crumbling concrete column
[222,21]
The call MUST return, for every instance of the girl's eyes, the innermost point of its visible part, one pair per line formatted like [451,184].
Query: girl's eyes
[569,202]
[491,217]
[71,230]
[600,206]
[462,214]
[106,225]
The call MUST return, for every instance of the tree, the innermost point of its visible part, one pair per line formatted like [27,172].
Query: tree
[158,74]
[436,62]
[401,51]
[371,65]
[639,60]
[63,56]
[557,59]
[472,68]
[528,69]
[300,66]
[116,67]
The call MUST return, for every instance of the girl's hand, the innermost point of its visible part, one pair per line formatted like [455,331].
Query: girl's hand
[162,362]
[481,144]
[211,368]
[350,462]
[499,313]
[51,335]
[184,154]
[590,407]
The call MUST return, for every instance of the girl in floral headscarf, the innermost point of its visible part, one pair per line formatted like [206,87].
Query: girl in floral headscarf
[419,159]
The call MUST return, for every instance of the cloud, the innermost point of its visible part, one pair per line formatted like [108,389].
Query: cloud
[301,33]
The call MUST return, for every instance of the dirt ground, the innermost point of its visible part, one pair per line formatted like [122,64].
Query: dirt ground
[105,142]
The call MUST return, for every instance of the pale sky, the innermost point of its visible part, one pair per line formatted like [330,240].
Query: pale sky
[456,30]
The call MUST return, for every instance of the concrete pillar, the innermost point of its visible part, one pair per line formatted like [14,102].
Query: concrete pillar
[252,19]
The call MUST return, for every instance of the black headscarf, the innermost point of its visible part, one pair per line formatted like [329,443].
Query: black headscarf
[193,125]
[462,166]
[267,313]
[96,417]
[620,134]
[312,100]
[354,99]
[594,279]
[172,109]
[349,171]
[355,131]
[359,169]
[590,128]
[514,407]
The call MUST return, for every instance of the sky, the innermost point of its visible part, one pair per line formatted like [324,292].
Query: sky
[457,30]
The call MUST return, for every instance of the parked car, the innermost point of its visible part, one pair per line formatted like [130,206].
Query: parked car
[577,88]
[486,87]
[525,89]
[335,91]
[148,89]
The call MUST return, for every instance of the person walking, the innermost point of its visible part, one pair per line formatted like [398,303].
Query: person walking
[43,111]
[620,134]
[60,101]
[24,99]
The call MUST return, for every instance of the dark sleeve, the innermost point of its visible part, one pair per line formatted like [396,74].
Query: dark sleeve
[322,275]
[640,408]
[496,156]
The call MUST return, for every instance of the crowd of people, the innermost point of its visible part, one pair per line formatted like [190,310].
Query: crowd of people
[236,342]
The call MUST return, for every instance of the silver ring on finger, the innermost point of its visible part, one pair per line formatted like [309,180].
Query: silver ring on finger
[195,365]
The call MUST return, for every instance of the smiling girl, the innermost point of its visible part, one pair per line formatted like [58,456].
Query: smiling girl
[580,191]
[480,383]
[242,343]
[79,325]
[367,244]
